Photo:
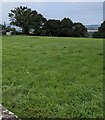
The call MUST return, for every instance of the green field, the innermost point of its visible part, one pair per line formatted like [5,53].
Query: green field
[53,77]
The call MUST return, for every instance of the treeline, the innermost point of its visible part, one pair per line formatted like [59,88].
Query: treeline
[32,22]
[101,31]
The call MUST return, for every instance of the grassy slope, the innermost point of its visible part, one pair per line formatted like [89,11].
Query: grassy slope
[53,77]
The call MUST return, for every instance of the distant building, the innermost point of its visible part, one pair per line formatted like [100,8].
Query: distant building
[92,31]
[9,33]
[2,32]
[92,27]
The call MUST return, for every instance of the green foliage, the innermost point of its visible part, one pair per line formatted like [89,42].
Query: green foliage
[2,27]
[101,31]
[66,27]
[79,30]
[38,23]
[25,18]
[21,17]
[53,77]
[7,29]
[10,29]
[52,28]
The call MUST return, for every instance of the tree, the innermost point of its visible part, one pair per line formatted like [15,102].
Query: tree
[66,27]
[52,27]
[21,17]
[79,30]
[26,19]
[9,28]
[101,31]
[38,23]
[2,27]
[31,21]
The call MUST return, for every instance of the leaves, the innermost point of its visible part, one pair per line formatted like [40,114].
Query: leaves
[29,19]
[25,18]
[101,31]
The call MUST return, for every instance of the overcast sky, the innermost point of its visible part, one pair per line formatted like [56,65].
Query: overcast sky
[85,12]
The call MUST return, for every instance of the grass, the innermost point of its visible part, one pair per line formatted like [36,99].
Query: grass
[53,77]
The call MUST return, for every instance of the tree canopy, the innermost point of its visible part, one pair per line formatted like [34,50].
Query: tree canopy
[79,30]
[52,28]
[29,19]
[101,31]
[25,18]
[66,27]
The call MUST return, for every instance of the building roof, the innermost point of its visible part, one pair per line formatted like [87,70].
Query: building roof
[92,31]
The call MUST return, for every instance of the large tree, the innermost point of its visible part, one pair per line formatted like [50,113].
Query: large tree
[25,18]
[21,17]
[101,31]
[38,23]
[52,28]
[79,30]
[66,27]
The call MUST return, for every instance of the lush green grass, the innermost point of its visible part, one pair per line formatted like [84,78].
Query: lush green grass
[53,77]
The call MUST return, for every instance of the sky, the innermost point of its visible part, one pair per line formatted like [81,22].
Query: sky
[85,12]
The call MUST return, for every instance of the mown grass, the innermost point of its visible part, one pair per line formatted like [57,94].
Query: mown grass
[53,77]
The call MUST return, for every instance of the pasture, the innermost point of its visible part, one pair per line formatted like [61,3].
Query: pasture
[52,76]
